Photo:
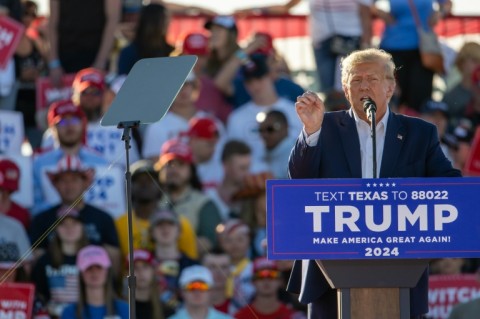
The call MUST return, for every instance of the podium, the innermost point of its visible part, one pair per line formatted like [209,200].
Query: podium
[372,239]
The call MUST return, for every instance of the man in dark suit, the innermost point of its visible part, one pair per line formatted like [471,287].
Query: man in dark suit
[339,145]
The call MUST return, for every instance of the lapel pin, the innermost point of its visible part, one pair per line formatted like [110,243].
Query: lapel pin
[400,137]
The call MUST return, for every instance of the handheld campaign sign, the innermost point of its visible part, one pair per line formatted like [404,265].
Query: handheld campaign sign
[373,218]
[149,90]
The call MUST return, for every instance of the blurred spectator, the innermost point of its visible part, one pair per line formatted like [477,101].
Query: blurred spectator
[437,114]
[30,63]
[234,239]
[68,126]
[181,111]
[147,301]
[203,138]
[146,194]
[218,262]
[236,160]
[400,38]
[14,240]
[9,183]
[71,179]
[457,98]
[150,39]
[466,310]
[178,176]
[55,274]
[278,71]
[194,43]
[447,266]
[472,111]
[224,60]
[273,128]
[265,304]
[97,297]
[347,19]
[460,143]
[242,124]
[254,211]
[170,261]
[8,85]
[196,282]
[81,35]
[88,94]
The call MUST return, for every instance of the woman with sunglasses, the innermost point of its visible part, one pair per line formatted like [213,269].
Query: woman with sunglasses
[97,298]
[195,283]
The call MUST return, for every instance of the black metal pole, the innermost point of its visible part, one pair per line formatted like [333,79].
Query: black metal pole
[373,128]
[127,126]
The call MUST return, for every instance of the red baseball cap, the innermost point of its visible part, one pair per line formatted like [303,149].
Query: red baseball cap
[174,149]
[142,255]
[60,109]
[268,48]
[202,128]
[195,43]
[89,77]
[262,263]
[9,175]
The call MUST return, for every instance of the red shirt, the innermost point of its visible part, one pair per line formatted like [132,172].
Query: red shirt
[249,312]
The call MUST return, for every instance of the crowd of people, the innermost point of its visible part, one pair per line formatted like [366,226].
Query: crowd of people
[198,176]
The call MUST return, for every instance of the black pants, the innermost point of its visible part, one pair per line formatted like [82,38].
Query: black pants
[414,82]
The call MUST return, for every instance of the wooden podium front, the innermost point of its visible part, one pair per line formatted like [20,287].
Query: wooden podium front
[373,288]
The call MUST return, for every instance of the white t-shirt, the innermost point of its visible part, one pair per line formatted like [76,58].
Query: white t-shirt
[329,17]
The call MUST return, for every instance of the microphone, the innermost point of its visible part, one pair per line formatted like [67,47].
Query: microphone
[369,107]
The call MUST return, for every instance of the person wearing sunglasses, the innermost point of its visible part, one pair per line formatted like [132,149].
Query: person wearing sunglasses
[266,304]
[196,282]
[273,128]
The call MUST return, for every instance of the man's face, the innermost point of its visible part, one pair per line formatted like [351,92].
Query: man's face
[368,80]
[256,86]
[219,266]
[236,244]
[202,148]
[237,168]
[91,99]
[145,188]
[175,174]
[70,186]
[272,132]
[69,131]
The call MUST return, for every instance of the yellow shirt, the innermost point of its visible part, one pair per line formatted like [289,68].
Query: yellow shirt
[187,242]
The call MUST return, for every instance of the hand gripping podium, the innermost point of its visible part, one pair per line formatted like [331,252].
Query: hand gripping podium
[372,238]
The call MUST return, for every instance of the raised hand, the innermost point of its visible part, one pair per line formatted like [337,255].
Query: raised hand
[310,110]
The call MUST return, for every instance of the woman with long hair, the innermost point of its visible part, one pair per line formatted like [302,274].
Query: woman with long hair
[55,274]
[147,293]
[97,297]
[150,39]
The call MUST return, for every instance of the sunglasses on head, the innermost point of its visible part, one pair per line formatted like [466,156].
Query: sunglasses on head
[266,274]
[69,121]
[196,286]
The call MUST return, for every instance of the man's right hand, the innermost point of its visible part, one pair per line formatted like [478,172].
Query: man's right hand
[310,110]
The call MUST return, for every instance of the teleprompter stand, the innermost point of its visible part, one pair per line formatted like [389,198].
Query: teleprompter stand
[144,98]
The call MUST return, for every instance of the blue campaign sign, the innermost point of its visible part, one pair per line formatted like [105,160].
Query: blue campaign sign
[373,218]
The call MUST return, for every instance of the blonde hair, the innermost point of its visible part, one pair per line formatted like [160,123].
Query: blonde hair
[469,50]
[366,56]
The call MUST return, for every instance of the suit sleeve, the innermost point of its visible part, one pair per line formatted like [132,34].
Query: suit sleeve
[304,160]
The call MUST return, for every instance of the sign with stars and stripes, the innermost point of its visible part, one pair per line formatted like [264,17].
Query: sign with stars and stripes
[373,218]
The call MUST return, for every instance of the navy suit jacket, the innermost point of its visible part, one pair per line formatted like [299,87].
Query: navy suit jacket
[411,149]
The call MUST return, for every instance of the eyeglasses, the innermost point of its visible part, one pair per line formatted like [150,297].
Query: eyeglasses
[196,286]
[266,274]
[270,128]
[69,121]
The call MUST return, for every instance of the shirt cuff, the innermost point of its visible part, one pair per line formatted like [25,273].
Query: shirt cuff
[311,139]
